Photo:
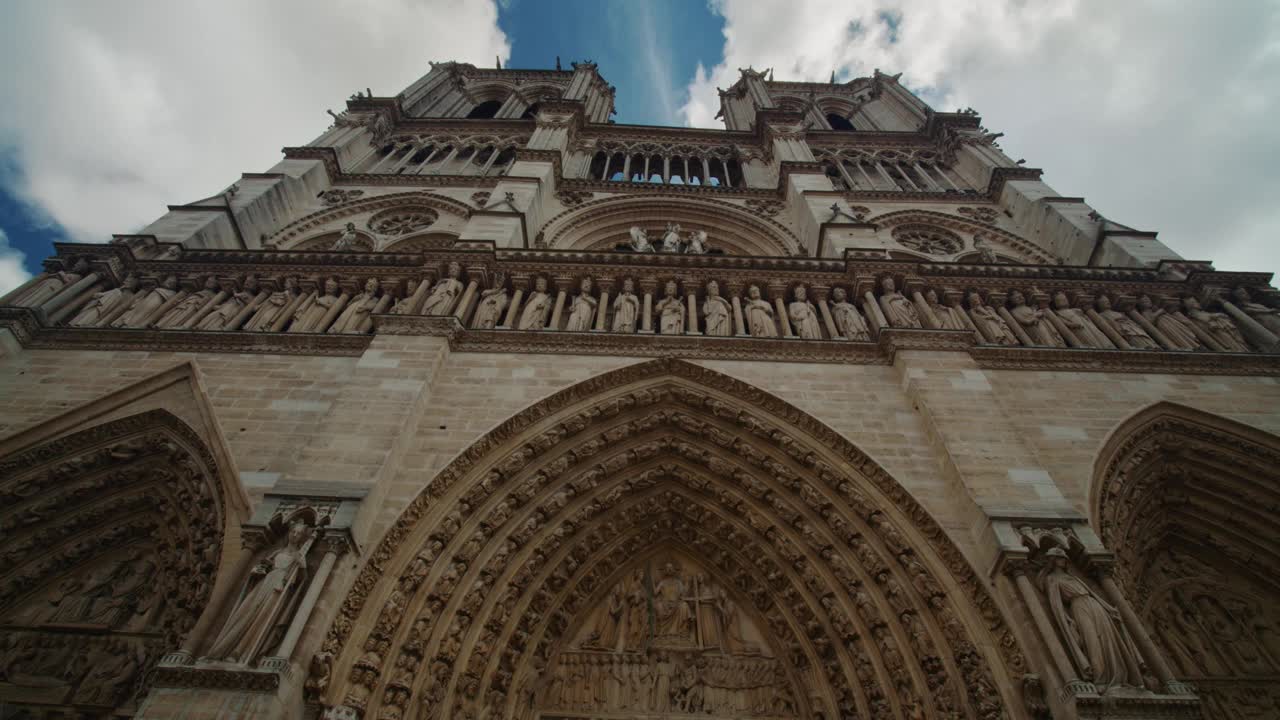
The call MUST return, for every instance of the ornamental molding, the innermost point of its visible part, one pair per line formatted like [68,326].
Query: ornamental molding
[308,224]
[1024,248]
[1128,361]
[206,678]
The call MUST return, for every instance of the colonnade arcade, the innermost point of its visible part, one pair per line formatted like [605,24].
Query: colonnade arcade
[497,581]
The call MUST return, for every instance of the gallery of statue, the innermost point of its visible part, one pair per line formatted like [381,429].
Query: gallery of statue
[483,406]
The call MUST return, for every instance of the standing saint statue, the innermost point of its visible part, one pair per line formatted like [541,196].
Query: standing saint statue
[231,307]
[178,315]
[1216,325]
[347,240]
[146,303]
[949,317]
[1033,322]
[716,312]
[311,314]
[1091,629]
[1131,331]
[759,312]
[671,240]
[673,618]
[608,629]
[1174,327]
[640,240]
[276,304]
[267,600]
[538,308]
[804,317]
[848,320]
[898,310]
[106,302]
[637,630]
[356,313]
[582,313]
[1267,317]
[1079,323]
[989,323]
[445,292]
[626,308]
[52,284]
[493,302]
[697,242]
[671,311]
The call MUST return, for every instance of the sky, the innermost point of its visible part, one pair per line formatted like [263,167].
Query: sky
[1159,113]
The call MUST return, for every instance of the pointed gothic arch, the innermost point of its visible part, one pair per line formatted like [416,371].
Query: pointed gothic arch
[466,603]
[1190,502]
[331,218]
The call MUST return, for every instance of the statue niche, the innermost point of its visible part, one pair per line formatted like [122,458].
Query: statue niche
[668,639]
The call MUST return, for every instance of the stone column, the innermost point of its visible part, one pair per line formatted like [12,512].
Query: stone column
[513,311]
[602,311]
[562,292]
[71,308]
[1149,650]
[468,297]
[926,312]
[66,294]
[820,293]
[251,543]
[1107,329]
[648,286]
[1253,330]
[1031,599]
[778,293]
[280,659]
[691,296]
[735,296]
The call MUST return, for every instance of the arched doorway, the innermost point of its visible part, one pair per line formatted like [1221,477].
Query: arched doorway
[664,541]
[112,539]
[1190,503]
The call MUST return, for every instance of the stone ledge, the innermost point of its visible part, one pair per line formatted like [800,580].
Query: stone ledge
[169,676]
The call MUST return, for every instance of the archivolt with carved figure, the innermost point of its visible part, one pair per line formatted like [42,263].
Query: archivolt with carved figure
[661,541]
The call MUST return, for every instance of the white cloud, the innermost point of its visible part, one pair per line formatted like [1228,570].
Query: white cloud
[115,110]
[1160,114]
[12,274]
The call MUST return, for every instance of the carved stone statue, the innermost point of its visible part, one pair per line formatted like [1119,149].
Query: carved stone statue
[608,630]
[111,597]
[187,307]
[52,284]
[111,675]
[271,308]
[986,255]
[1175,329]
[716,312]
[1033,322]
[640,240]
[989,323]
[267,602]
[673,619]
[1217,325]
[671,240]
[493,302]
[1131,331]
[147,303]
[804,317]
[106,302]
[1078,322]
[1091,629]
[697,244]
[582,314]
[537,309]
[347,240]
[311,314]
[1267,317]
[759,312]
[671,311]
[354,315]
[228,309]
[849,322]
[898,310]
[445,293]
[626,308]
[949,317]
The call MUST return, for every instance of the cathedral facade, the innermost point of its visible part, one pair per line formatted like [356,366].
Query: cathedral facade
[481,405]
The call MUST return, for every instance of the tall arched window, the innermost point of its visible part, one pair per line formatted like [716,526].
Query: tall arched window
[485,110]
[839,122]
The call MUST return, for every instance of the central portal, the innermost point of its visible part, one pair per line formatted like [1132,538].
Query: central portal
[667,641]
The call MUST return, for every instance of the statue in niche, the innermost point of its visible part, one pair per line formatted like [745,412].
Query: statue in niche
[1033,322]
[187,307]
[1079,323]
[673,620]
[986,255]
[445,292]
[1091,629]
[759,312]
[671,311]
[1175,329]
[312,312]
[145,304]
[493,302]
[697,244]
[898,310]
[626,308]
[609,627]
[949,317]
[537,309]
[582,313]
[231,307]
[716,312]
[1217,325]
[105,302]
[53,283]
[803,315]
[1267,317]
[671,240]
[275,304]
[112,597]
[637,631]
[989,323]
[640,240]
[1131,331]
[267,600]
[356,313]
[848,320]
[347,240]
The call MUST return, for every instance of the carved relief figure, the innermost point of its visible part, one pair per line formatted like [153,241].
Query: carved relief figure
[582,315]
[697,242]
[1175,329]
[673,620]
[671,240]
[759,312]
[671,311]
[948,317]
[640,240]
[989,322]
[228,309]
[804,317]
[106,302]
[1091,629]
[537,309]
[1217,325]
[111,598]
[493,302]
[147,303]
[1078,322]
[986,255]
[111,674]
[313,311]
[187,307]
[716,312]
[267,601]
[898,310]
[1033,322]
[275,304]
[1267,317]
[347,239]
[445,292]
[608,630]
[848,320]
[637,613]
[52,284]
[626,308]
[1131,331]
[356,313]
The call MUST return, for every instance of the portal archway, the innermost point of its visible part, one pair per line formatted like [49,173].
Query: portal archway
[1189,502]
[476,601]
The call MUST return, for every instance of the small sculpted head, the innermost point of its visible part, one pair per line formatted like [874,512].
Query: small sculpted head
[1241,295]
[130,282]
[931,296]
[628,285]
[1144,302]
[540,284]
[671,288]
[1060,300]
[753,292]
[291,283]
[454,270]
[1104,303]
[585,285]
[371,285]
[888,285]
[170,282]
[800,293]
[1191,303]
[713,288]
[331,286]
[211,283]
[1017,298]
[975,300]
[839,295]
[251,283]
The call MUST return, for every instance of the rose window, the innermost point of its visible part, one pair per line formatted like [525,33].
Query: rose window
[402,221]
[928,240]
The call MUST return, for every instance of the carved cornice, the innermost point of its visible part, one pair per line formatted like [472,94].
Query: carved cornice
[210,678]
[1136,361]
